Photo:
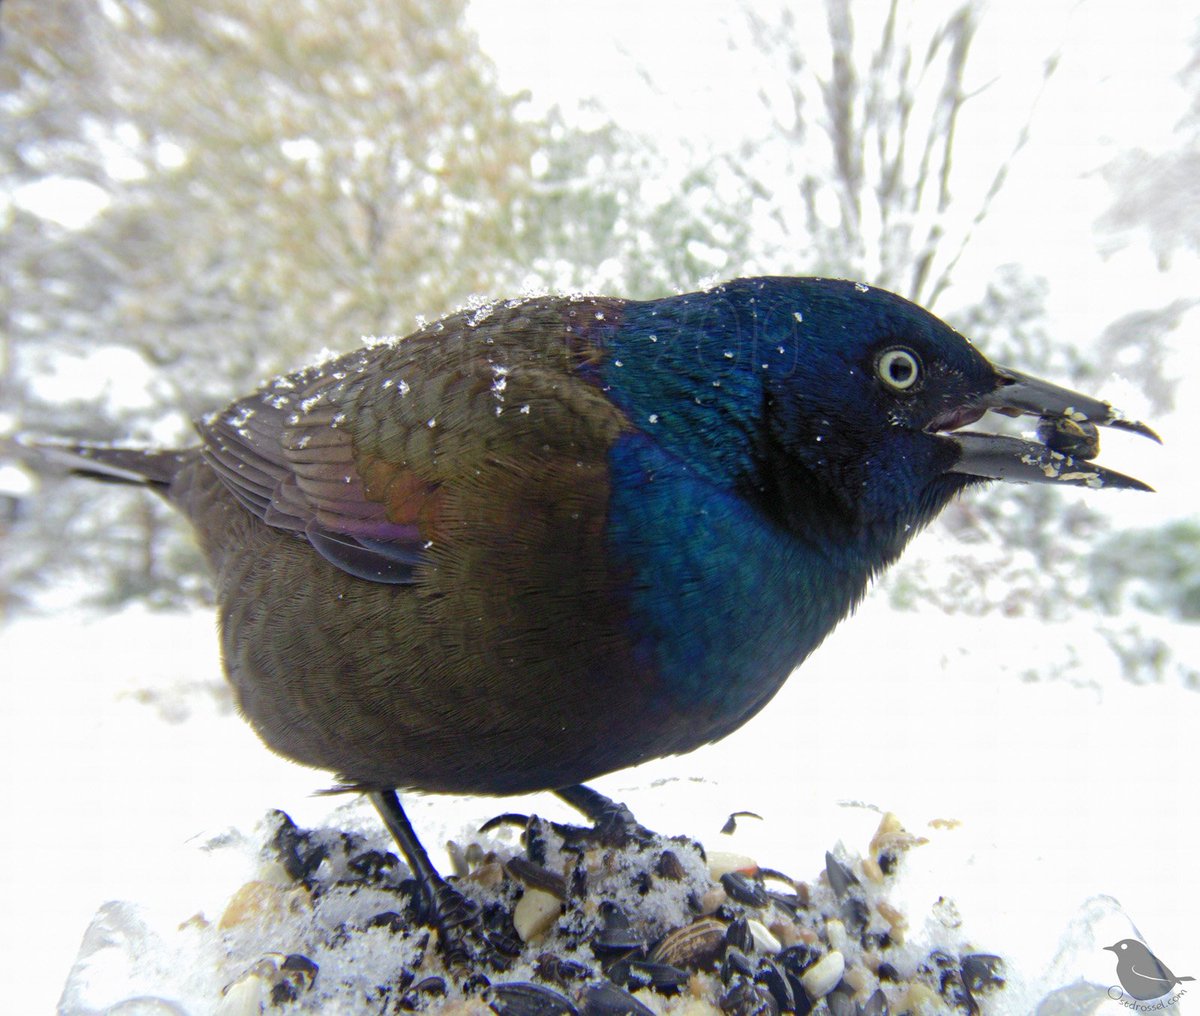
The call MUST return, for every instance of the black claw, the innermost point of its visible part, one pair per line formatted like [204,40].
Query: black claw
[613,825]
[468,948]
[508,818]
[447,907]
[466,939]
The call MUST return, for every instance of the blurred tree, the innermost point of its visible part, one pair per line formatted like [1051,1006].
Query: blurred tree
[287,174]
[1156,200]
[616,217]
[1152,569]
[866,138]
[265,179]
[1158,194]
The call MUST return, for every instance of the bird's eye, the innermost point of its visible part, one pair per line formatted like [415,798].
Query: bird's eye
[898,368]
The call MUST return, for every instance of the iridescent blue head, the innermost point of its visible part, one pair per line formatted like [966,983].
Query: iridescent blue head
[831,405]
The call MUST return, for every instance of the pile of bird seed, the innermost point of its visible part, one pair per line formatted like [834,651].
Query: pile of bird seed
[653,926]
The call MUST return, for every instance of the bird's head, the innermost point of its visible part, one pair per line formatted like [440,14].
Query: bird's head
[1127,945]
[867,398]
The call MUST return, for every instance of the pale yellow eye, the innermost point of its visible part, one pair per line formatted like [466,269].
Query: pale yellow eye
[898,368]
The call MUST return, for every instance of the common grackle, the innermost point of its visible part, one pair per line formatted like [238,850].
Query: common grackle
[546,539]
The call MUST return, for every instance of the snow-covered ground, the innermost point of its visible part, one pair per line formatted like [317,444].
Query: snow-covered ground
[1074,789]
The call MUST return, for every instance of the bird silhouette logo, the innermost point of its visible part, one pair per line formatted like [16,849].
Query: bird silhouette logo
[1142,974]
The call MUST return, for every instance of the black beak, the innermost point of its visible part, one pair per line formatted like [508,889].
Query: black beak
[1068,422]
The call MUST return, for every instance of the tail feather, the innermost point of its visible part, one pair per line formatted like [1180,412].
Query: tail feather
[146,467]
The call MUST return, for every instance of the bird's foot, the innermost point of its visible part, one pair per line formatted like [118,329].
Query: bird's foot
[465,939]
[613,824]
[468,937]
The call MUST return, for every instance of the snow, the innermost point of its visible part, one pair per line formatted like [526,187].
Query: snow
[14,481]
[70,202]
[1069,790]
[122,375]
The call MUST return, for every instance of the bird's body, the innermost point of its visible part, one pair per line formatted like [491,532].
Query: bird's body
[571,586]
[541,541]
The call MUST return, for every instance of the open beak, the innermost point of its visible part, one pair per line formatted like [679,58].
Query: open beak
[1067,426]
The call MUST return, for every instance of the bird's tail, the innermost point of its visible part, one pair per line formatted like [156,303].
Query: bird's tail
[144,467]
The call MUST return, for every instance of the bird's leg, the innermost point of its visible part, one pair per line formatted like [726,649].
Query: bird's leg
[456,918]
[445,905]
[614,824]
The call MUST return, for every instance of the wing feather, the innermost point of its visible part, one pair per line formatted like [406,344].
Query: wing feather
[357,456]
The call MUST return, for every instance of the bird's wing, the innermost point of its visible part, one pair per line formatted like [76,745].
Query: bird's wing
[361,455]
[287,455]
[1152,970]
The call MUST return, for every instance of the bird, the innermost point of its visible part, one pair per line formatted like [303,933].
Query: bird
[1142,974]
[543,539]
